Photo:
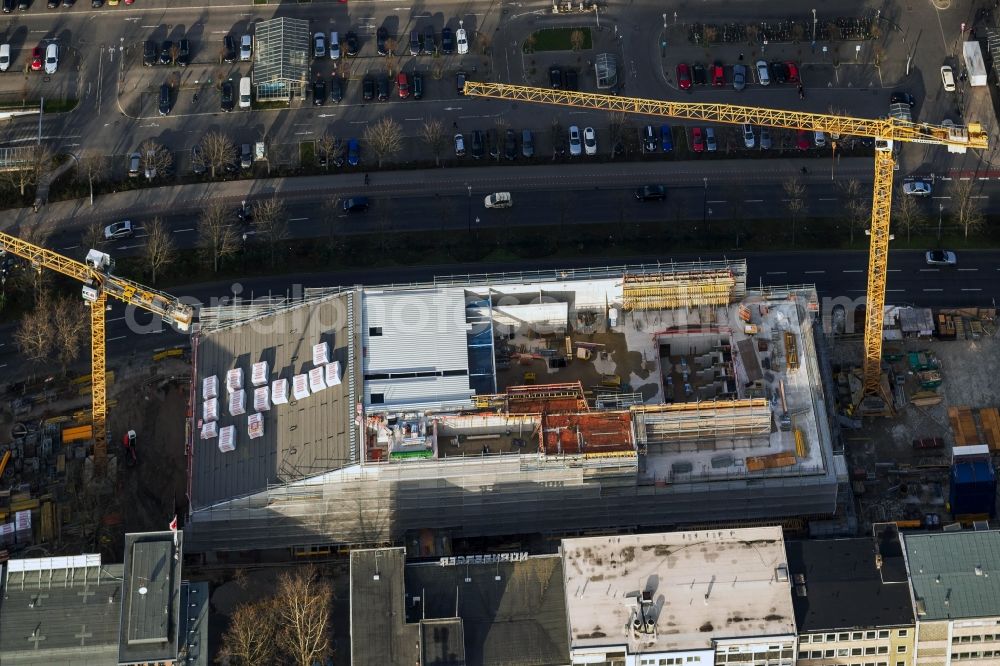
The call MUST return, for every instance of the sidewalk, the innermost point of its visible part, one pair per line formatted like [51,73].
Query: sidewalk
[193,198]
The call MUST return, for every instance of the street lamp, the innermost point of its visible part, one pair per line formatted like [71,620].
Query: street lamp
[469,188]
[814,29]
[664,20]
[704,202]
[940,212]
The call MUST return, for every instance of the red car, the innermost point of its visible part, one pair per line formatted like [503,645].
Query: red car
[793,72]
[697,140]
[718,75]
[802,141]
[404,85]
[684,76]
[36,59]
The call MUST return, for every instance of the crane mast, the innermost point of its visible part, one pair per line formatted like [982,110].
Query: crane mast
[885,131]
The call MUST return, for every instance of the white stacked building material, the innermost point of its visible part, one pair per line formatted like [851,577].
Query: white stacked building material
[261,402]
[210,410]
[279,391]
[255,426]
[227,439]
[258,373]
[238,403]
[316,382]
[300,387]
[234,379]
[332,372]
[321,354]
[210,430]
[210,387]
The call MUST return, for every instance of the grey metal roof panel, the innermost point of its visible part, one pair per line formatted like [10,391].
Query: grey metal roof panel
[954,574]
[302,438]
[418,330]
[150,598]
[843,586]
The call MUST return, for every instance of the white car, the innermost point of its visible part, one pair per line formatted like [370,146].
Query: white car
[917,188]
[51,58]
[498,200]
[246,47]
[462,40]
[574,141]
[748,137]
[763,73]
[941,258]
[118,230]
[4,57]
[459,145]
[590,140]
[334,46]
[319,45]
[948,78]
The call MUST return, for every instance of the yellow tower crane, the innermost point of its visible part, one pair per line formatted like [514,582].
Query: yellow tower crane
[98,284]
[883,130]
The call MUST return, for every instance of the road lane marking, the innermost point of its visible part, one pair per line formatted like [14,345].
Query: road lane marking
[933,289]
[828,199]
[180,231]
[754,201]
[297,219]
[967,270]
[120,337]
[117,319]
[972,289]
[776,273]
[930,270]
[815,272]
[854,270]
[722,201]
[895,290]
[71,247]
[894,270]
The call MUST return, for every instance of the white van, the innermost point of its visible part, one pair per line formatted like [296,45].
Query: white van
[334,46]
[245,92]
[4,57]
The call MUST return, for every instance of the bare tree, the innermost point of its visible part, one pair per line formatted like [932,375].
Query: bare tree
[160,250]
[390,46]
[330,146]
[529,43]
[70,326]
[155,159]
[577,39]
[92,167]
[175,51]
[502,126]
[852,195]
[250,638]
[483,42]
[303,608]
[36,278]
[216,238]
[271,223]
[391,64]
[966,210]
[32,163]
[93,235]
[437,70]
[217,151]
[33,335]
[795,202]
[384,138]
[907,215]
[432,133]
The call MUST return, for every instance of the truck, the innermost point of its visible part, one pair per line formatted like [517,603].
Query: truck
[974,63]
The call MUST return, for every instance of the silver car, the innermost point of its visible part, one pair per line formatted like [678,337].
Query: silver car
[739,77]
[765,139]
[748,137]
[710,144]
[941,258]
[917,188]
[763,73]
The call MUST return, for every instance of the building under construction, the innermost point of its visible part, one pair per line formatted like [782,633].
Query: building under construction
[627,397]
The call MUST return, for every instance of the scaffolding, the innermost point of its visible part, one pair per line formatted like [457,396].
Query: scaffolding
[682,289]
[699,421]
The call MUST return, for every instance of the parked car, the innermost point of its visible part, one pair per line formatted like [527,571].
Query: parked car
[36,59]
[351,40]
[698,74]
[478,144]
[246,156]
[697,140]
[572,82]
[718,75]
[184,52]
[648,140]
[666,138]
[941,258]
[51,58]
[461,41]
[917,188]
[319,45]
[4,57]
[589,141]
[527,143]
[765,139]
[356,205]
[164,99]
[334,47]
[229,49]
[148,53]
[246,48]
[382,88]
[739,77]
[368,88]
[447,41]
[459,145]
[651,193]
[336,89]
[792,72]
[948,78]
[166,52]
[228,98]
[428,45]
[555,78]
[575,145]
[683,76]
[53,4]
[319,92]
[381,37]
[779,71]
[119,230]
[802,140]
[414,42]
[403,85]
[134,164]
[710,143]
[819,139]
[8,6]
[460,77]
[353,152]
[510,145]
[418,85]
[748,136]
[762,73]
[498,200]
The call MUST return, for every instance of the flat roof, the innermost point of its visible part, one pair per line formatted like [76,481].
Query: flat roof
[379,631]
[730,582]
[837,585]
[954,574]
[150,598]
[58,618]
[300,439]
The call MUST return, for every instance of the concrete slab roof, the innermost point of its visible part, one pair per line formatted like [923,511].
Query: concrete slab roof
[954,574]
[151,595]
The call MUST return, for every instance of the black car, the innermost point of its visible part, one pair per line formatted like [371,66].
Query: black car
[382,85]
[336,89]
[166,52]
[164,99]
[510,145]
[902,98]
[651,193]
[228,98]
[148,53]
[96,4]
[779,71]
[572,83]
[319,92]
[380,39]
[555,78]
[23,5]
[418,85]
[356,205]
[53,4]
[351,41]
[414,42]
[698,74]
[477,144]
[368,88]
[447,41]
[8,6]
[428,43]
[229,48]
[460,82]
[184,53]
